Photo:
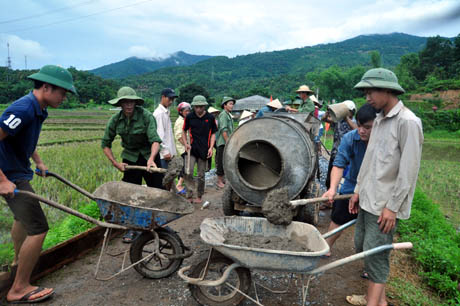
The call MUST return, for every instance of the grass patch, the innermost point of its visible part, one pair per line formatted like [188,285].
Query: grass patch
[436,247]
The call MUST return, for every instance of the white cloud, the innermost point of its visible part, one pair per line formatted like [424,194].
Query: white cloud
[215,27]
[19,48]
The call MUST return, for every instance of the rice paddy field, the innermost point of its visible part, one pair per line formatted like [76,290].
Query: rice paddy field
[70,146]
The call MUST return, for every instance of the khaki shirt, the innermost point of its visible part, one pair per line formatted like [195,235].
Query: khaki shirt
[225,125]
[178,125]
[390,166]
[137,133]
[307,106]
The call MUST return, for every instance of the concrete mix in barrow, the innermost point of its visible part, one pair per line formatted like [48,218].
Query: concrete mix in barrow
[269,242]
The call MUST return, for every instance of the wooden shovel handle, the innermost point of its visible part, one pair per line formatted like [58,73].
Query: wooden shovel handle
[316,200]
[155,170]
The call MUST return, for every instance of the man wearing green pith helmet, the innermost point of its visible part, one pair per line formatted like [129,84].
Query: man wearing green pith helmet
[386,180]
[20,126]
[201,126]
[138,131]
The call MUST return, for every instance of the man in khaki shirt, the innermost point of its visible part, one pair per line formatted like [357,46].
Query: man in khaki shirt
[386,181]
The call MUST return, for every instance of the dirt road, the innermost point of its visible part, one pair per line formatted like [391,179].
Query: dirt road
[75,283]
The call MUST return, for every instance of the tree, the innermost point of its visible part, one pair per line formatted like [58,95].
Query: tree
[437,57]
[187,92]
[376,60]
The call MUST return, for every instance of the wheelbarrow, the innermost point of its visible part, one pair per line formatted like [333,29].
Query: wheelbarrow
[224,277]
[158,251]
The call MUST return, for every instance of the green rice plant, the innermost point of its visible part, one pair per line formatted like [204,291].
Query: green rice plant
[61,136]
[76,121]
[439,178]
[74,128]
[436,246]
[442,135]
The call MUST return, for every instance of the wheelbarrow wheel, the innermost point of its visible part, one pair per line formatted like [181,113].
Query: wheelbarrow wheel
[154,267]
[220,295]
[228,205]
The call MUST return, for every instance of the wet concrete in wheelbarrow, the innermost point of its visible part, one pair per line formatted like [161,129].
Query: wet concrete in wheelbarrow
[75,283]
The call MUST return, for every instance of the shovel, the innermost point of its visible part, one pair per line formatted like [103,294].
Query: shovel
[144,168]
[301,202]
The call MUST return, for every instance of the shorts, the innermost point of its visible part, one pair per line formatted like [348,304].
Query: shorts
[369,236]
[135,176]
[28,211]
[340,214]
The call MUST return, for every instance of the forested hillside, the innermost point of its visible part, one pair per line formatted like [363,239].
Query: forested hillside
[136,66]
[242,75]
[91,89]
[434,66]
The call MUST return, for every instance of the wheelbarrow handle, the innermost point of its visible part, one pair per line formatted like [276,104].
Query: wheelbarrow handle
[340,262]
[67,182]
[338,229]
[317,200]
[154,170]
[69,210]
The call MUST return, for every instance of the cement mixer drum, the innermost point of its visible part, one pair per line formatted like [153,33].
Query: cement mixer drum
[271,152]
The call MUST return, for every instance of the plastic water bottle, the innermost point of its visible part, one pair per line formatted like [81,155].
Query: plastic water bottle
[205,205]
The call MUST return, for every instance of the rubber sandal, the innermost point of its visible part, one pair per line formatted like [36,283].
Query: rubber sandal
[25,298]
[183,191]
[358,300]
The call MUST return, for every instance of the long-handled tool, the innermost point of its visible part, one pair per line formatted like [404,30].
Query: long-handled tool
[144,168]
[277,208]
[301,202]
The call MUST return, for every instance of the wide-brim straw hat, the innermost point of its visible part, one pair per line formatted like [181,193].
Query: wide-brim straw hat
[275,104]
[212,110]
[126,93]
[340,111]
[304,88]
[245,114]
[315,100]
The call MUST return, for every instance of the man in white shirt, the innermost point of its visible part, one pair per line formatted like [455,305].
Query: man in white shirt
[386,181]
[164,128]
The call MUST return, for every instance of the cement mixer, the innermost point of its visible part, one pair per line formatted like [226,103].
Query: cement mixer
[271,152]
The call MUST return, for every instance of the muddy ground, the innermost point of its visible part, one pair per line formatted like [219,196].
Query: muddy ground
[75,284]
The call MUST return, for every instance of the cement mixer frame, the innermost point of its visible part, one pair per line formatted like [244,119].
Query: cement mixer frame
[271,152]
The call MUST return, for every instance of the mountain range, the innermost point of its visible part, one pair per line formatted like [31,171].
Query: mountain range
[277,72]
[136,65]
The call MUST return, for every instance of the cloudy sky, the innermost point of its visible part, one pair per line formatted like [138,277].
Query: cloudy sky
[88,34]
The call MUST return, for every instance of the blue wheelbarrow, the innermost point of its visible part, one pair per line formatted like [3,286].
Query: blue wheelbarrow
[158,251]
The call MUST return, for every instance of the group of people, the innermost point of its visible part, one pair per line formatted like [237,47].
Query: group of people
[382,155]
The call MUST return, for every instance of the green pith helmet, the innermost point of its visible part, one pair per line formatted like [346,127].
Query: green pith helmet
[380,78]
[199,100]
[56,76]
[126,93]
[227,99]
